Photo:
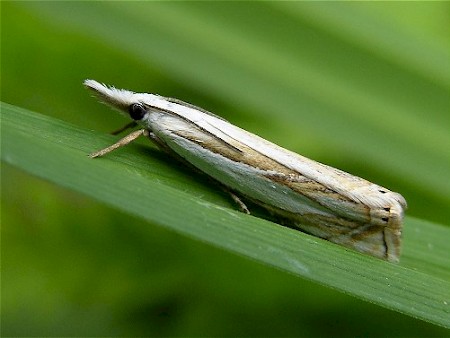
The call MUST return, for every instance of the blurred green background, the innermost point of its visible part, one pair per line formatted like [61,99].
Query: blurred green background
[360,86]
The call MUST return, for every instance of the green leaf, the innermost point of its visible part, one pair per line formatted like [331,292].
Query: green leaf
[141,182]
[361,86]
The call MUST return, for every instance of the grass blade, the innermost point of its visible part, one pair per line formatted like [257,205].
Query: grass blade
[141,182]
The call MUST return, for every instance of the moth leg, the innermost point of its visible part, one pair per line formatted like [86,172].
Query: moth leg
[125,127]
[122,142]
[165,148]
[243,208]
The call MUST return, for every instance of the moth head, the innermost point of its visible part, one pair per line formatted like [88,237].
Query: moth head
[137,111]
[125,101]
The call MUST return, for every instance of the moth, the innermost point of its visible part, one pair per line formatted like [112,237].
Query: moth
[305,194]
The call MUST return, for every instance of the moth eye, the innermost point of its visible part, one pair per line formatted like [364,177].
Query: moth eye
[136,111]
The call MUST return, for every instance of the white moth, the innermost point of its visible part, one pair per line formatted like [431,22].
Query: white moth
[318,199]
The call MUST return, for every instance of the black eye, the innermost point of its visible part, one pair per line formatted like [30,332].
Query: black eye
[136,111]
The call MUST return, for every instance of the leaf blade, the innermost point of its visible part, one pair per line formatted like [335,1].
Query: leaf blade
[57,152]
